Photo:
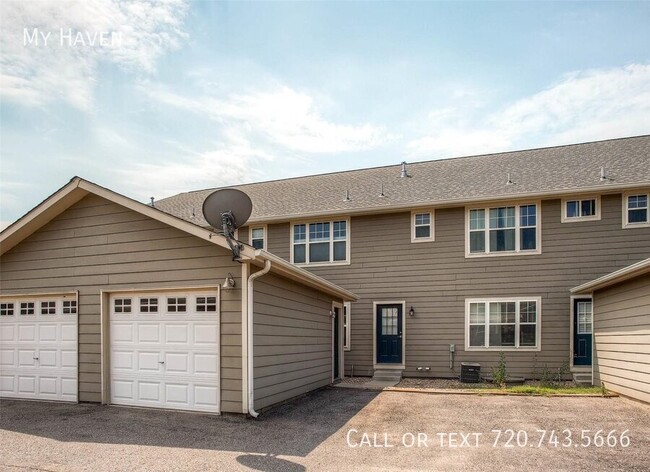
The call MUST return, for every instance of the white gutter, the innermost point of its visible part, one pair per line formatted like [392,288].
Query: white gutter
[251,377]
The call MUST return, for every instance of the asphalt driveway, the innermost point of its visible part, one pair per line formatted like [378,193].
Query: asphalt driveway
[335,429]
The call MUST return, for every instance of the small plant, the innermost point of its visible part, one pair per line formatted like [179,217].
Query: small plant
[545,380]
[603,390]
[562,372]
[499,373]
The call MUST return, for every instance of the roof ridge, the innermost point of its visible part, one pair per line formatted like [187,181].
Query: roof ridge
[471,156]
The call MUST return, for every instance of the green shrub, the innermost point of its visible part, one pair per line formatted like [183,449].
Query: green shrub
[499,373]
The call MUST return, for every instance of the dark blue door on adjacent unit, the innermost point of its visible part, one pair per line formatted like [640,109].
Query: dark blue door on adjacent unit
[389,334]
[582,329]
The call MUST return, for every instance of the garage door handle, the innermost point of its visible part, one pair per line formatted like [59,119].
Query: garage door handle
[36,358]
[161,362]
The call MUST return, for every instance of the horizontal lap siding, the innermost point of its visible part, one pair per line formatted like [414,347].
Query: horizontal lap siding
[436,278]
[622,338]
[293,340]
[98,245]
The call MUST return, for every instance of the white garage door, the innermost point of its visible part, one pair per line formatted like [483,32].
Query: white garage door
[165,350]
[38,348]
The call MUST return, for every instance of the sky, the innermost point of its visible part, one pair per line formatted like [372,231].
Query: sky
[154,98]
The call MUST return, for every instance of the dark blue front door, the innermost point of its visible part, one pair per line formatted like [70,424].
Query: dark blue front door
[389,334]
[582,328]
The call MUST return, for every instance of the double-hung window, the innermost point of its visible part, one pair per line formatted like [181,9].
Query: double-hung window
[258,237]
[503,324]
[580,209]
[320,242]
[422,226]
[510,229]
[635,209]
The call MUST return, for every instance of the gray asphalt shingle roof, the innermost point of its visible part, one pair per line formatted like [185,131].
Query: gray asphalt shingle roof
[570,168]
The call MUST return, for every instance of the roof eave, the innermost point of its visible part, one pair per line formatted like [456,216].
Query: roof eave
[629,272]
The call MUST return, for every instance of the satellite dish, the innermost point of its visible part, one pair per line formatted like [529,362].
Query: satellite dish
[226,210]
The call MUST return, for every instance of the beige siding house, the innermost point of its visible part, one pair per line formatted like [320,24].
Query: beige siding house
[457,260]
[621,327]
[104,299]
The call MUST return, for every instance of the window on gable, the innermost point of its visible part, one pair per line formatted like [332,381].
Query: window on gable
[503,229]
[503,324]
[422,226]
[346,325]
[258,237]
[635,209]
[582,209]
[321,242]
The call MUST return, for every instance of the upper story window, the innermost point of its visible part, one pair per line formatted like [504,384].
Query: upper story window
[580,209]
[258,237]
[320,243]
[502,323]
[511,229]
[422,226]
[635,209]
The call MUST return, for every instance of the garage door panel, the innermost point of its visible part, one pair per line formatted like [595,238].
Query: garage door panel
[47,357]
[177,333]
[122,332]
[47,332]
[177,362]
[149,391]
[39,349]
[149,361]
[27,333]
[167,358]
[7,357]
[206,334]
[148,333]
[69,332]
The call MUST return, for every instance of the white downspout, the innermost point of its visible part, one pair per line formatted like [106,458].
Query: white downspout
[251,387]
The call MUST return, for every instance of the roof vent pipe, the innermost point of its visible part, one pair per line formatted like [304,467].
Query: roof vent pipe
[404,173]
[347,196]
[382,194]
[152,201]
[509,181]
[603,175]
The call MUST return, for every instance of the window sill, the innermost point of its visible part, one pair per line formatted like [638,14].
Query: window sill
[321,264]
[580,219]
[503,348]
[636,225]
[503,254]
[422,240]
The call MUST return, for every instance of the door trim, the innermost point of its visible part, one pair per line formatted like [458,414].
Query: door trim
[376,365]
[340,346]
[580,368]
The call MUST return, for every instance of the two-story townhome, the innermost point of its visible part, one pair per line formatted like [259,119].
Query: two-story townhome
[458,260]
[410,269]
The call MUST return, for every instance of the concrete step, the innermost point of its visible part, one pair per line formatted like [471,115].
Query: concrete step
[387,375]
[582,378]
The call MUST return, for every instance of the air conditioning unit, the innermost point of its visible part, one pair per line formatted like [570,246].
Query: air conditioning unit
[470,373]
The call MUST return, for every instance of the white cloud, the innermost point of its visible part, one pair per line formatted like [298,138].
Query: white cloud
[136,34]
[583,106]
[282,116]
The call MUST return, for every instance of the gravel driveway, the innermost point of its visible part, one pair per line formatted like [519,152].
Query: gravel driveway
[334,429]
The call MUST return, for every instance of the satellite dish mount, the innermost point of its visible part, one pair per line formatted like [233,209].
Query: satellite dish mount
[226,210]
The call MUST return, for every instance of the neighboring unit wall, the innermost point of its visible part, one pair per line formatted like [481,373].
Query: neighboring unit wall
[98,245]
[622,338]
[293,340]
[435,278]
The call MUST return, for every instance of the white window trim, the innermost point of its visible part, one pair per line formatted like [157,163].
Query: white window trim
[264,238]
[626,224]
[538,328]
[432,232]
[578,368]
[517,251]
[575,219]
[375,364]
[347,312]
[331,222]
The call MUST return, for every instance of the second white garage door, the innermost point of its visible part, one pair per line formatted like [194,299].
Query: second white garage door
[165,350]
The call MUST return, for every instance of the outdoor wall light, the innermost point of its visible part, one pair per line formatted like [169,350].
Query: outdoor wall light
[229,283]
[412,311]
